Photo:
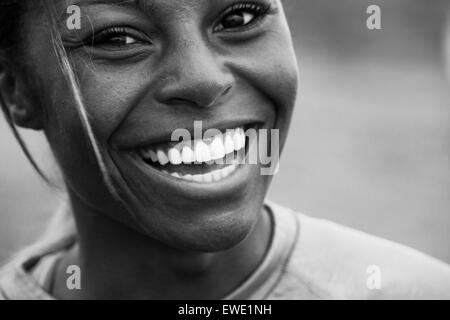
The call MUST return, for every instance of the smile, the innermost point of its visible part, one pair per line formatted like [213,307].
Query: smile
[206,160]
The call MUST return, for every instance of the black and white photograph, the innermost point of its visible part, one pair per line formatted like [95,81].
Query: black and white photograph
[224,150]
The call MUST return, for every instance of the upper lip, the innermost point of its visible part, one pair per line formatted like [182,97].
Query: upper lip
[141,140]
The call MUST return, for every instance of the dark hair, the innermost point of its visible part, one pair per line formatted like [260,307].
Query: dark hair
[11,51]
[11,13]
[12,48]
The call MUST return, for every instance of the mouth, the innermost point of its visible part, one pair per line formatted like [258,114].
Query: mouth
[202,161]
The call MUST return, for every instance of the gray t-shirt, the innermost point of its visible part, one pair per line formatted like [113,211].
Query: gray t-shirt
[308,258]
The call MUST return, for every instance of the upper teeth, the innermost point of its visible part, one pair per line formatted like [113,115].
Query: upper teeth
[198,151]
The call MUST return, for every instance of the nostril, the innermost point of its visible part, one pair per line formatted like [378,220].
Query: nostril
[206,98]
[176,101]
[227,90]
[220,96]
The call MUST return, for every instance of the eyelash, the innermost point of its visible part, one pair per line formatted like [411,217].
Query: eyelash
[103,36]
[107,34]
[258,10]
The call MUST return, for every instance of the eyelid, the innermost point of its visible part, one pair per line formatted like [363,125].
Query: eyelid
[261,12]
[244,5]
[117,30]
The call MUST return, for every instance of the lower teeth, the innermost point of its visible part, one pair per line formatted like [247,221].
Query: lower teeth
[209,177]
[203,175]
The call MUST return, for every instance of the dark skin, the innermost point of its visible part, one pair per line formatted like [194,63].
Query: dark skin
[171,63]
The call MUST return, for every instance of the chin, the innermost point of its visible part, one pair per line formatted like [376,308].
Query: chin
[212,229]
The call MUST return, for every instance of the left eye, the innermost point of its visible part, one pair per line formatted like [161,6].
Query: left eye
[237,20]
[240,15]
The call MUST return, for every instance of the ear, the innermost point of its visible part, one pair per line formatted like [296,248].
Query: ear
[17,102]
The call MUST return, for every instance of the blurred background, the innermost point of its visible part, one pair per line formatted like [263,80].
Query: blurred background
[369,143]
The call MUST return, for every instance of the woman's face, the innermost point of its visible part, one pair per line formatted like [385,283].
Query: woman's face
[146,68]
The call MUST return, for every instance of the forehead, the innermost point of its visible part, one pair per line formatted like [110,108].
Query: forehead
[150,5]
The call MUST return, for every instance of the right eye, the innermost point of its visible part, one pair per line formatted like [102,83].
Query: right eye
[117,38]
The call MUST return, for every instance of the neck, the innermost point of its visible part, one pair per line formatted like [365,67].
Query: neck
[117,262]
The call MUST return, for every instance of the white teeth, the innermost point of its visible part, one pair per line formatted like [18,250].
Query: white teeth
[175,156]
[176,175]
[187,155]
[217,148]
[148,154]
[202,152]
[216,175]
[228,170]
[206,156]
[207,177]
[228,143]
[212,150]
[153,156]
[242,134]
[162,157]
[238,139]
[210,177]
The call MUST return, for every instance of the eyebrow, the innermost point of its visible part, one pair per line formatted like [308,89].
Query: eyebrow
[86,3]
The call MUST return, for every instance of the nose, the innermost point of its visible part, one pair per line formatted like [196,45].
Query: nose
[194,75]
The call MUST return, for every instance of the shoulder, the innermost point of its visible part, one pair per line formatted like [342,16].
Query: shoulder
[336,262]
[16,279]
[6,275]
[14,284]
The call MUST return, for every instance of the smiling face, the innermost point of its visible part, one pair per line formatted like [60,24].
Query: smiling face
[147,68]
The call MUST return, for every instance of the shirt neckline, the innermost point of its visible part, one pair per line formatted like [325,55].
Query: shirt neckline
[18,283]
[267,275]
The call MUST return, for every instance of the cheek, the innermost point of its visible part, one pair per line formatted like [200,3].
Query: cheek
[106,100]
[110,95]
[273,74]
